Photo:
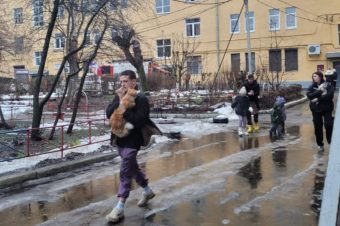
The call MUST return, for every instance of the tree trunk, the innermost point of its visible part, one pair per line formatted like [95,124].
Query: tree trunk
[82,81]
[3,121]
[142,76]
[59,108]
[38,107]
[77,101]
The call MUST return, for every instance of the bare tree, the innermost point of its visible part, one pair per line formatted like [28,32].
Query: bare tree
[176,60]
[82,81]
[272,73]
[37,104]
[125,38]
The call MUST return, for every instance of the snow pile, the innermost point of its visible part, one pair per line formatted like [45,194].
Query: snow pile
[227,111]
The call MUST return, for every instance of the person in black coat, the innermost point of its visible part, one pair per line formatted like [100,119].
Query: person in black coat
[320,94]
[241,107]
[253,92]
[129,145]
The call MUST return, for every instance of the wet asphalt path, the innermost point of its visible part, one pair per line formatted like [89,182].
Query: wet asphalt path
[218,179]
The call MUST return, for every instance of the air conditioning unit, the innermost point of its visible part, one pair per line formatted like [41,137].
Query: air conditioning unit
[314,49]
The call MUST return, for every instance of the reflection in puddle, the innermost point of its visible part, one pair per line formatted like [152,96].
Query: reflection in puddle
[252,171]
[319,181]
[279,156]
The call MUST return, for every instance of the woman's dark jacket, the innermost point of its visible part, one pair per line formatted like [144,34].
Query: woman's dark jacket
[256,88]
[241,105]
[325,102]
[139,117]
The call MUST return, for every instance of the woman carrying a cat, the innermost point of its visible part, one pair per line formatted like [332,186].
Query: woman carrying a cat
[130,121]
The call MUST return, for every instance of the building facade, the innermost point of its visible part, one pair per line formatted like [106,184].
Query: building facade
[292,37]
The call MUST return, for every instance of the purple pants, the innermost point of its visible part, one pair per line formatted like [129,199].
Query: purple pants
[129,170]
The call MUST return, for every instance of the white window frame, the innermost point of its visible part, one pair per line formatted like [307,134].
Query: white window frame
[233,19]
[194,25]
[96,37]
[163,46]
[59,41]
[61,12]
[199,65]
[18,16]
[251,20]
[162,6]
[291,15]
[38,13]
[37,58]
[274,14]
[88,39]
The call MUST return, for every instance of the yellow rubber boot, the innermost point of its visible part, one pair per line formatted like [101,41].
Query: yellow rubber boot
[249,128]
[256,127]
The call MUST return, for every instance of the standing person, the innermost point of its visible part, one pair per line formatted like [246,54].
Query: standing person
[281,101]
[129,145]
[320,94]
[253,92]
[331,76]
[241,106]
[277,120]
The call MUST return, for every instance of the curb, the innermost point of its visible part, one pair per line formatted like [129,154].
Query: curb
[287,105]
[18,178]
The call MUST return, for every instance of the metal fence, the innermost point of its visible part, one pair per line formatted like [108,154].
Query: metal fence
[16,144]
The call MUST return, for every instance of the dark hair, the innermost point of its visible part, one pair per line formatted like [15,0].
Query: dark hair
[250,75]
[319,73]
[131,74]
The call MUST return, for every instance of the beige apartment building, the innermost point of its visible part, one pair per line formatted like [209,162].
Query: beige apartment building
[291,36]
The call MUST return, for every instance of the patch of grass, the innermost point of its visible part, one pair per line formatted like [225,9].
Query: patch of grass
[75,142]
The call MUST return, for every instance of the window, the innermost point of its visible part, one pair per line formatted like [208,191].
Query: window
[88,38]
[37,58]
[118,4]
[18,17]
[274,19]
[19,44]
[252,62]
[193,27]
[291,59]
[251,22]
[291,18]
[164,48]
[189,1]
[275,60]
[38,13]
[235,62]
[194,65]
[234,25]
[339,34]
[61,12]
[162,6]
[59,41]
[96,37]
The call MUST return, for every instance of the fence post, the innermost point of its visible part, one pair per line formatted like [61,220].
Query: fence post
[28,142]
[90,132]
[62,142]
